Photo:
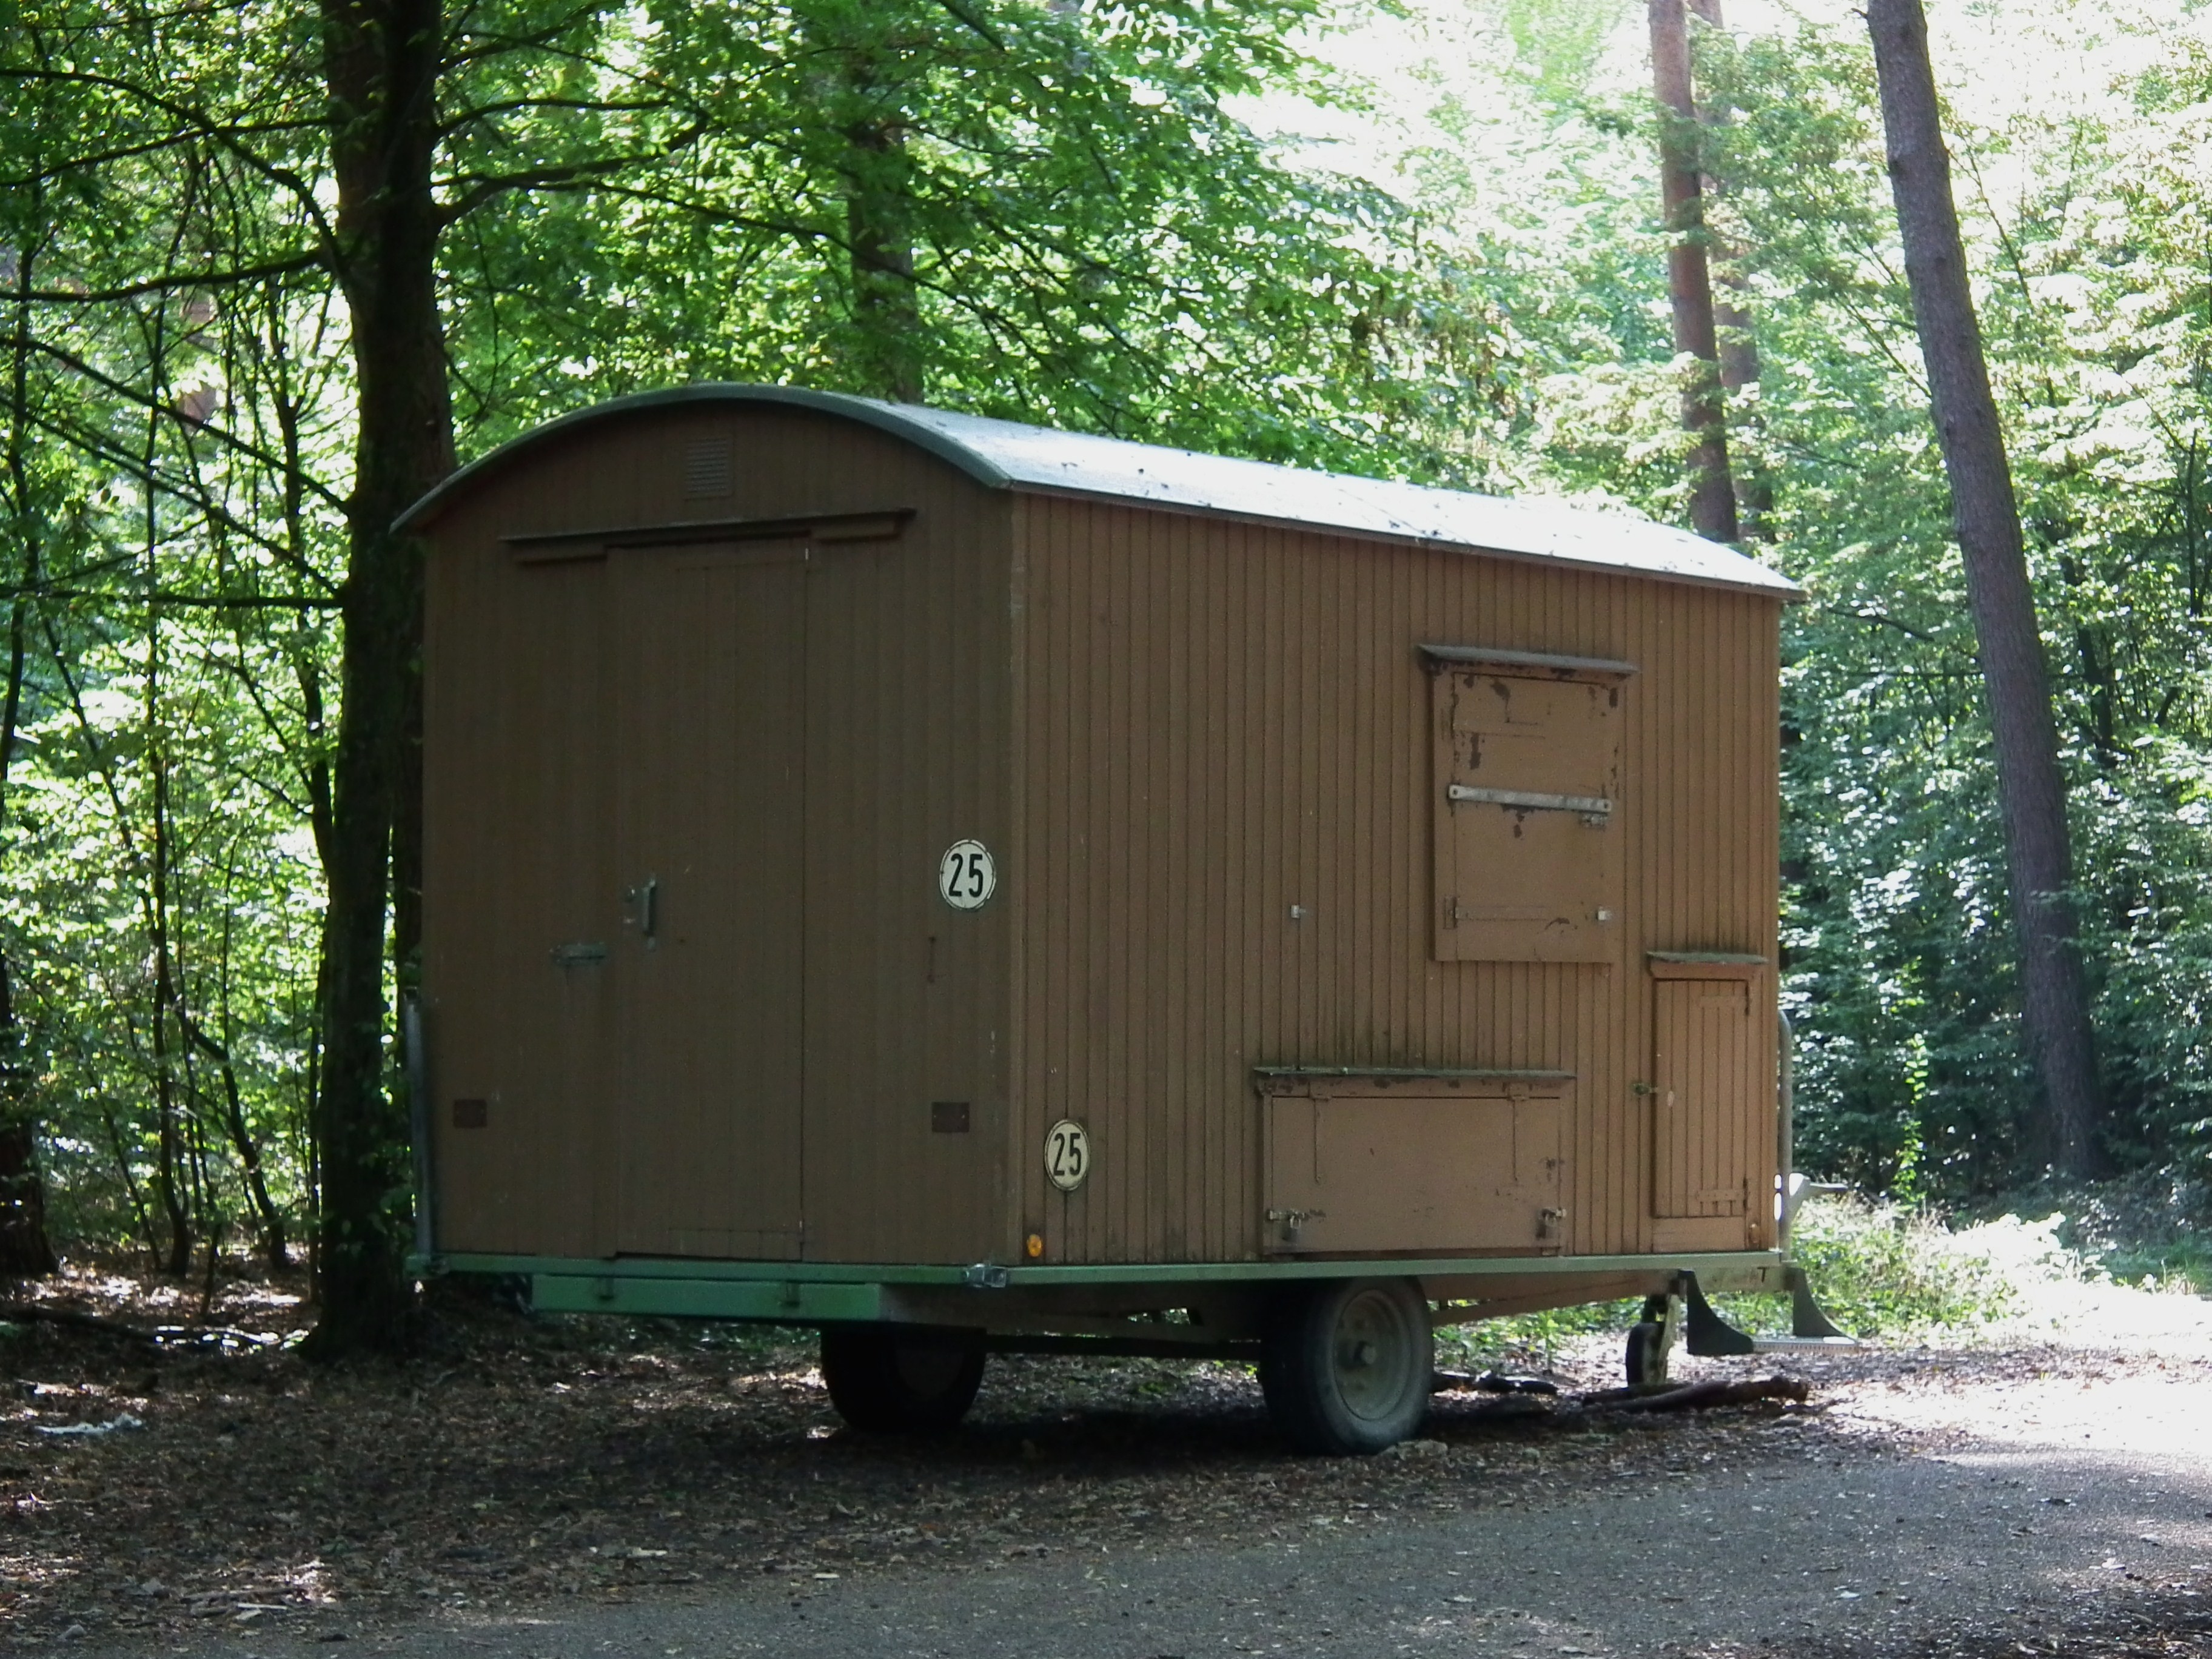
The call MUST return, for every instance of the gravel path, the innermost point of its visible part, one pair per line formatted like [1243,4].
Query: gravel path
[1997,1501]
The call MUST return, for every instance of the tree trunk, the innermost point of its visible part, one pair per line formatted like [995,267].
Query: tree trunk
[1689,282]
[1739,346]
[382,60]
[2031,791]
[878,220]
[24,1246]
[168,1114]
[242,1137]
[884,300]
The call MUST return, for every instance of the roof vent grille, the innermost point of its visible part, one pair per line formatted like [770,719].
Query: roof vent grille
[706,467]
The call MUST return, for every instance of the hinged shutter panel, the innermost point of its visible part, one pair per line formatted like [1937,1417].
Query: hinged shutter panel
[1705,1086]
[1528,860]
[1354,1166]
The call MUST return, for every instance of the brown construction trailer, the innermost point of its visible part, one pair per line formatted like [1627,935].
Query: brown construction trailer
[962,885]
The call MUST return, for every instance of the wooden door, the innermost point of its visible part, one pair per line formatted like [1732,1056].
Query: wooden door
[519,906]
[1707,1089]
[904,1139]
[708,769]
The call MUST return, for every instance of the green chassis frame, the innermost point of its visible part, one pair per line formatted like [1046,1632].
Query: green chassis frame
[1102,1308]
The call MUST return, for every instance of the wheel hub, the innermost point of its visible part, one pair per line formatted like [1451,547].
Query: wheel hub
[1373,1354]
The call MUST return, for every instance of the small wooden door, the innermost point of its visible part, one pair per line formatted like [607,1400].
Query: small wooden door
[710,775]
[1708,1090]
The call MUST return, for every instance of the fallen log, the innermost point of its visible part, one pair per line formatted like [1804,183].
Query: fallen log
[1490,1382]
[38,1313]
[1692,1396]
[1615,1396]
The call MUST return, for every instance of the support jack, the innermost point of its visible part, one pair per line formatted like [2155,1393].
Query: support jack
[1712,1337]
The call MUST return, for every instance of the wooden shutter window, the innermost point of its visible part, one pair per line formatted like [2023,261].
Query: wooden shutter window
[1529,861]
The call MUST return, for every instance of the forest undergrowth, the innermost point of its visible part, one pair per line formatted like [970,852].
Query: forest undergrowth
[2048,1265]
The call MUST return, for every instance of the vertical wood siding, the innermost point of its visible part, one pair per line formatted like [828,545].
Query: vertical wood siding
[1219,722]
[608,1127]
[1171,730]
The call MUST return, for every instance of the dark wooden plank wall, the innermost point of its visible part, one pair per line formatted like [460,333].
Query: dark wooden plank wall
[906,751]
[517,706]
[1219,722]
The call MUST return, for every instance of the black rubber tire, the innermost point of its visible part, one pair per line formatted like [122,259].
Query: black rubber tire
[1347,1365]
[1647,1355]
[893,1380]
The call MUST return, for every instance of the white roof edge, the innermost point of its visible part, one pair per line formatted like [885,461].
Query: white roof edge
[1007,455]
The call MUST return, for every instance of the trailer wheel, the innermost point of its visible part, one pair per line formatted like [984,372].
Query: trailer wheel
[1347,1364]
[1647,1352]
[887,1381]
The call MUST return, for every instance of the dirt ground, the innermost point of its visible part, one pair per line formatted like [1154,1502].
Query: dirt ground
[524,1474]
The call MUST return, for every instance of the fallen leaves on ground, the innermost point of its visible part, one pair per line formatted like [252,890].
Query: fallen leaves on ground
[521,1463]
[524,1461]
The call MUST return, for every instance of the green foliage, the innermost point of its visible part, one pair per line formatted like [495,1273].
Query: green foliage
[1033,209]
[1883,1269]
[1072,214]
[1898,925]
[1038,212]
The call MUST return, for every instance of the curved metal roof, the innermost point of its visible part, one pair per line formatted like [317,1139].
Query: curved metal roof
[1007,455]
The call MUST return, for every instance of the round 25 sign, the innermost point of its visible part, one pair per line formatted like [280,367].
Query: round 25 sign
[966,878]
[1067,1154]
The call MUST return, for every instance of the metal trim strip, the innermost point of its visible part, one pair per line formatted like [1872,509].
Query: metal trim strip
[1704,1263]
[874,524]
[1479,656]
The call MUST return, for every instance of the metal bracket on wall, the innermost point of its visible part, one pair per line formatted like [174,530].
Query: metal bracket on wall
[986,1276]
[1594,809]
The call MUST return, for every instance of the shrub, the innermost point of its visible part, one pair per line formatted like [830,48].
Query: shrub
[1882,1269]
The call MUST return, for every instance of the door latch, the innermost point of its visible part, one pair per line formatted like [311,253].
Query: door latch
[644,900]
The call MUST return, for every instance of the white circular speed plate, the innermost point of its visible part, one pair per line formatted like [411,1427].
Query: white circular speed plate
[966,878]
[1067,1154]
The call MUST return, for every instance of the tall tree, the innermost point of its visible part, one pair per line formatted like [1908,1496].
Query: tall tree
[1732,324]
[870,68]
[24,1246]
[2030,788]
[492,212]
[381,61]
[1689,276]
